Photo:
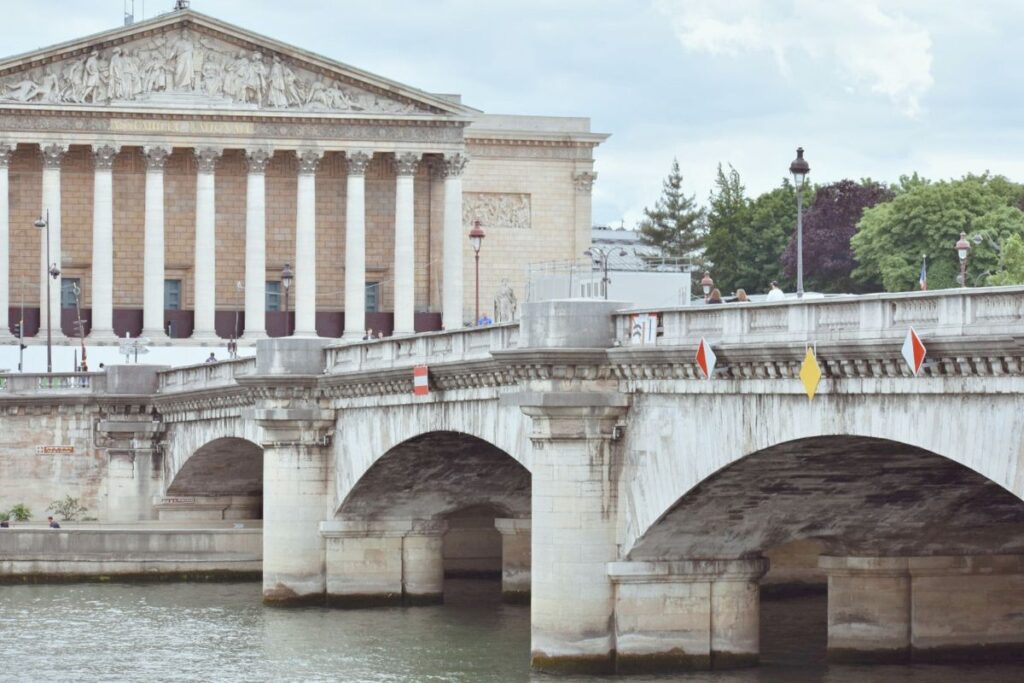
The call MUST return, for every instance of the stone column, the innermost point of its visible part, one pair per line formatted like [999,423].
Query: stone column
[297,466]
[452,317]
[515,559]
[405,246]
[103,242]
[5,240]
[204,275]
[53,155]
[256,243]
[355,244]
[153,245]
[384,562]
[305,244]
[686,615]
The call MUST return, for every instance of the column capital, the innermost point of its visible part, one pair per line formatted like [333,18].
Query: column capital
[406,163]
[309,160]
[6,151]
[584,181]
[53,155]
[207,158]
[257,158]
[103,155]
[453,164]
[156,156]
[356,161]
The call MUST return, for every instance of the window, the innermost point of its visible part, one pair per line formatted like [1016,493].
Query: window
[67,291]
[172,295]
[274,300]
[372,297]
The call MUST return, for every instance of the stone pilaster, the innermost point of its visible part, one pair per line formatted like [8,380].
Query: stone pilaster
[103,242]
[6,150]
[454,242]
[384,562]
[515,559]
[153,245]
[406,165]
[356,162]
[305,243]
[686,615]
[205,264]
[256,243]
[53,156]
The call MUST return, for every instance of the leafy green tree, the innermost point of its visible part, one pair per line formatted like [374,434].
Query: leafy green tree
[927,218]
[675,224]
[747,237]
[20,513]
[1011,263]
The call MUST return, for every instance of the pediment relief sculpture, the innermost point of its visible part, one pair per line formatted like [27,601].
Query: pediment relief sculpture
[184,68]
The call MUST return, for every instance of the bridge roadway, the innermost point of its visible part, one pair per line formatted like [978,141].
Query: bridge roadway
[631,499]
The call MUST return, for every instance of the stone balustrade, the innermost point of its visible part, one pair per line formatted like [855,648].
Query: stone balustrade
[55,383]
[205,375]
[982,311]
[457,346]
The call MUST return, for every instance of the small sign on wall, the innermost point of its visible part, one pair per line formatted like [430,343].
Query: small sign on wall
[55,450]
[420,380]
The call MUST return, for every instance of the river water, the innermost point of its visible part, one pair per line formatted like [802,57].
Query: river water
[221,633]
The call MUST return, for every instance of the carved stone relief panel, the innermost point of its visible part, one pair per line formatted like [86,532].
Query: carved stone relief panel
[500,210]
[186,68]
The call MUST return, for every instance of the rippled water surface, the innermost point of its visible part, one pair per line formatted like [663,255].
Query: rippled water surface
[221,632]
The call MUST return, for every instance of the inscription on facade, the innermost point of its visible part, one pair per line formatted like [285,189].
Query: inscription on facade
[500,210]
[185,127]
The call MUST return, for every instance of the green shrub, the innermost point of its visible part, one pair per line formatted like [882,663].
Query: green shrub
[20,513]
[68,508]
[5,516]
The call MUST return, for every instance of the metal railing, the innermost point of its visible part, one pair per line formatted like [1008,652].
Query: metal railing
[942,313]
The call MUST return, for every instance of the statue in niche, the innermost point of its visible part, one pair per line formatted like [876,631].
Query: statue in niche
[505,303]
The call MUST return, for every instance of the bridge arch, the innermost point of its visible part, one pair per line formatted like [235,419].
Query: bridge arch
[221,479]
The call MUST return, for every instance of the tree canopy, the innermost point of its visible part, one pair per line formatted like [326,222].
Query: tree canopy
[829,225]
[676,223]
[1011,263]
[927,218]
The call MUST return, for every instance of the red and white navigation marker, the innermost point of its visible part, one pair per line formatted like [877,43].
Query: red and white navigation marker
[913,351]
[420,380]
[706,358]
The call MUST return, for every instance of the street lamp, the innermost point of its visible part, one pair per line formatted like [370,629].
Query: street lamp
[287,276]
[963,250]
[799,168]
[44,223]
[77,291]
[601,256]
[706,283]
[476,240]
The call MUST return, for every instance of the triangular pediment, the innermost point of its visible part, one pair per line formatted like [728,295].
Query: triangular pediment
[187,60]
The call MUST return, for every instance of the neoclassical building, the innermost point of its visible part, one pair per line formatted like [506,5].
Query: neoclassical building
[182,163]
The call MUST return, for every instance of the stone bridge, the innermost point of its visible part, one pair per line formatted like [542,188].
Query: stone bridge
[636,502]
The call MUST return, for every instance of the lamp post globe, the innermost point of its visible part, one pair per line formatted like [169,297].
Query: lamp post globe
[799,168]
[706,283]
[963,250]
[476,240]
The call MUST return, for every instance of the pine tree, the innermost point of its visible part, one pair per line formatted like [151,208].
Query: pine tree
[675,224]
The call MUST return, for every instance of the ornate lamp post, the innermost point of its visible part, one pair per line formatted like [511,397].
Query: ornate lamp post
[963,250]
[799,168]
[44,223]
[287,277]
[476,239]
[79,324]
[707,284]
[601,256]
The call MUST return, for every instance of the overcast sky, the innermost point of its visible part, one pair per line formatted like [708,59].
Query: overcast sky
[870,88]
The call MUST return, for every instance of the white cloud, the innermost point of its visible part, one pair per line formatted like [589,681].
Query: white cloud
[869,47]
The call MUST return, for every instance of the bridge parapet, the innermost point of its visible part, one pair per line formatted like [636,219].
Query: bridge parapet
[456,346]
[62,383]
[205,375]
[969,312]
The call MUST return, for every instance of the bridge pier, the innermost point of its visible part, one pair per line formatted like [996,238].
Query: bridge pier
[515,559]
[384,562]
[686,615]
[925,609]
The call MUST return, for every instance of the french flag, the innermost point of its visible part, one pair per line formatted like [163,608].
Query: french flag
[923,278]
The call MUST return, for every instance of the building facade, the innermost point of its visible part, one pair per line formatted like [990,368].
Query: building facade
[181,163]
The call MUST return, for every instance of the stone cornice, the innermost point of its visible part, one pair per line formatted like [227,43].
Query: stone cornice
[443,377]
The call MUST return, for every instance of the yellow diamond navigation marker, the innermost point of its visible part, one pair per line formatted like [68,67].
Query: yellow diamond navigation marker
[810,373]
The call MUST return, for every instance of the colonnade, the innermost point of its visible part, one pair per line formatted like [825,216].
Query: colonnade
[204,278]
